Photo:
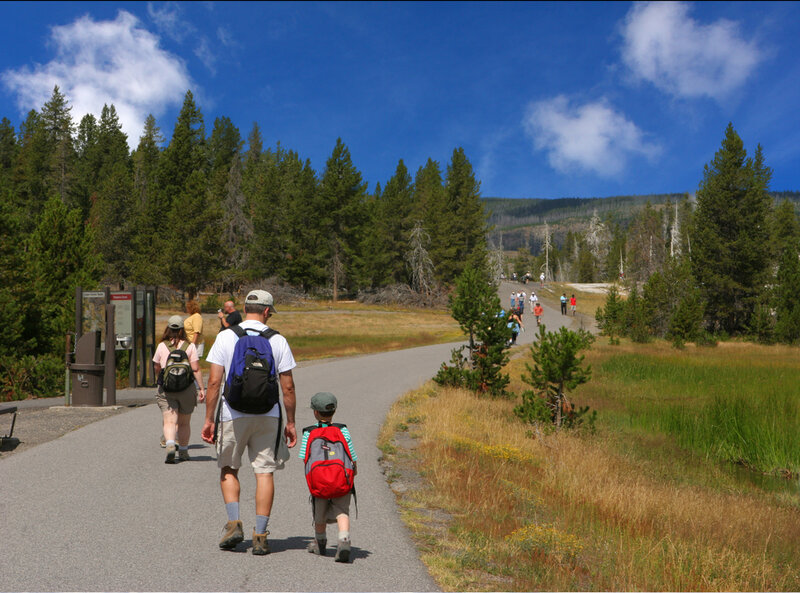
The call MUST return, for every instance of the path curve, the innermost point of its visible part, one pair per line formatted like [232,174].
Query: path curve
[97,509]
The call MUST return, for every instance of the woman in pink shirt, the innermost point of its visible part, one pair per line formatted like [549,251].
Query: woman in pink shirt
[177,406]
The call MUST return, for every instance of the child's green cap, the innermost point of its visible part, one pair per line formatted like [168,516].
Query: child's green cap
[324,402]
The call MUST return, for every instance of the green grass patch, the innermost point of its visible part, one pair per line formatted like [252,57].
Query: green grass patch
[738,408]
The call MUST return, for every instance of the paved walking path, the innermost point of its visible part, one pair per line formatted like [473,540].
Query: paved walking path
[98,510]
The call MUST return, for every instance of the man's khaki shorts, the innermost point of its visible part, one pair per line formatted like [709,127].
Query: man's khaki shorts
[326,511]
[257,434]
[183,401]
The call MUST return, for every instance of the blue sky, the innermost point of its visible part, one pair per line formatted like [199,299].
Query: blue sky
[547,99]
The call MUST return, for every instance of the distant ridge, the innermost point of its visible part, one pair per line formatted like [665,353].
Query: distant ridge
[516,220]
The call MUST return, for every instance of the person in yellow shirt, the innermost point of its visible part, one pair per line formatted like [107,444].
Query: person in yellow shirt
[194,327]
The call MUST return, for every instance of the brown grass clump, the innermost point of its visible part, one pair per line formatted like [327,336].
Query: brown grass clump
[559,511]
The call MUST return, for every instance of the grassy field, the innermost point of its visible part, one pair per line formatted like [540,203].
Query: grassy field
[642,504]
[320,330]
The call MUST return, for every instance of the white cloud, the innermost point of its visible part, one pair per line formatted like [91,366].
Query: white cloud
[105,62]
[665,46]
[169,21]
[592,137]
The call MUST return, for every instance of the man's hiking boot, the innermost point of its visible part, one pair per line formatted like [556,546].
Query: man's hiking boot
[260,545]
[232,535]
[343,551]
[183,455]
[172,450]
[317,546]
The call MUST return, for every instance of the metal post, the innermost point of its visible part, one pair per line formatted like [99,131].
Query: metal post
[110,362]
[67,361]
[132,351]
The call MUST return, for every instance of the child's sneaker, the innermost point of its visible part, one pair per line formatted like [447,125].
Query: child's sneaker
[343,551]
[317,546]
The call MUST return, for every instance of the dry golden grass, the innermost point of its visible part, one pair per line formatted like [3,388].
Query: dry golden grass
[570,511]
[322,330]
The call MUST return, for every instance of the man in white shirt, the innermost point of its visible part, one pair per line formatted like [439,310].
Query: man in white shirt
[264,436]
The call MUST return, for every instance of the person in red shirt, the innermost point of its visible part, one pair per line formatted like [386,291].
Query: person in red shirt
[537,311]
[573,304]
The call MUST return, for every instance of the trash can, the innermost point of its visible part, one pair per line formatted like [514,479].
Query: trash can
[87,374]
[87,384]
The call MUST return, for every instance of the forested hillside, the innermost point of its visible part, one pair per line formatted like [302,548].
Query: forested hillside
[519,222]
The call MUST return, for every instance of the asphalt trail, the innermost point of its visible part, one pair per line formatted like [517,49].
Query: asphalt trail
[98,510]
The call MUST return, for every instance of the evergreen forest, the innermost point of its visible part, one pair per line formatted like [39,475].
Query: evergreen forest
[204,211]
[217,212]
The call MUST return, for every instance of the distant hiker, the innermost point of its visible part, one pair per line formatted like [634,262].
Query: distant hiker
[250,414]
[521,303]
[228,315]
[541,280]
[533,299]
[194,327]
[513,301]
[331,464]
[573,304]
[180,385]
[515,325]
[564,303]
[538,312]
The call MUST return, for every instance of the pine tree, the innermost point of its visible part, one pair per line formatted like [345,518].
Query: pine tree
[466,213]
[148,239]
[8,151]
[185,153]
[237,231]
[730,250]
[113,212]
[476,307]
[58,128]
[61,256]
[430,208]
[787,301]
[393,225]
[342,194]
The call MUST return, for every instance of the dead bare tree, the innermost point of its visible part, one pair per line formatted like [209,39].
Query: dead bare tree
[422,280]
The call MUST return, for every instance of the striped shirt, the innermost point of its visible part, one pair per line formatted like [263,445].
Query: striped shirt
[345,432]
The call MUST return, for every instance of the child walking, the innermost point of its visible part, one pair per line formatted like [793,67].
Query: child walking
[331,465]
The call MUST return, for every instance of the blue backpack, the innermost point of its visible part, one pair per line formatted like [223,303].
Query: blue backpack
[252,383]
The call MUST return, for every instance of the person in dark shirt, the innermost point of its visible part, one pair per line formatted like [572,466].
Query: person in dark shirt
[229,316]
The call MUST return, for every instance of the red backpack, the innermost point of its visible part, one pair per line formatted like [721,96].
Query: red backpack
[328,461]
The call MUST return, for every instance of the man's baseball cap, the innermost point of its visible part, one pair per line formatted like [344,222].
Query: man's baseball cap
[260,297]
[324,402]
[175,322]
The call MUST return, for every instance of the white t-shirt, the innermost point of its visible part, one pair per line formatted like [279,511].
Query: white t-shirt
[222,354]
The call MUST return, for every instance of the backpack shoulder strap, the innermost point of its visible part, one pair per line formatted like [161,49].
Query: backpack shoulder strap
[240,332]
[185,345]
[269,332]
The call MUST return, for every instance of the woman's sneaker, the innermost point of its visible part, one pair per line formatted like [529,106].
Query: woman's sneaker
[343,551]
[172,450]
